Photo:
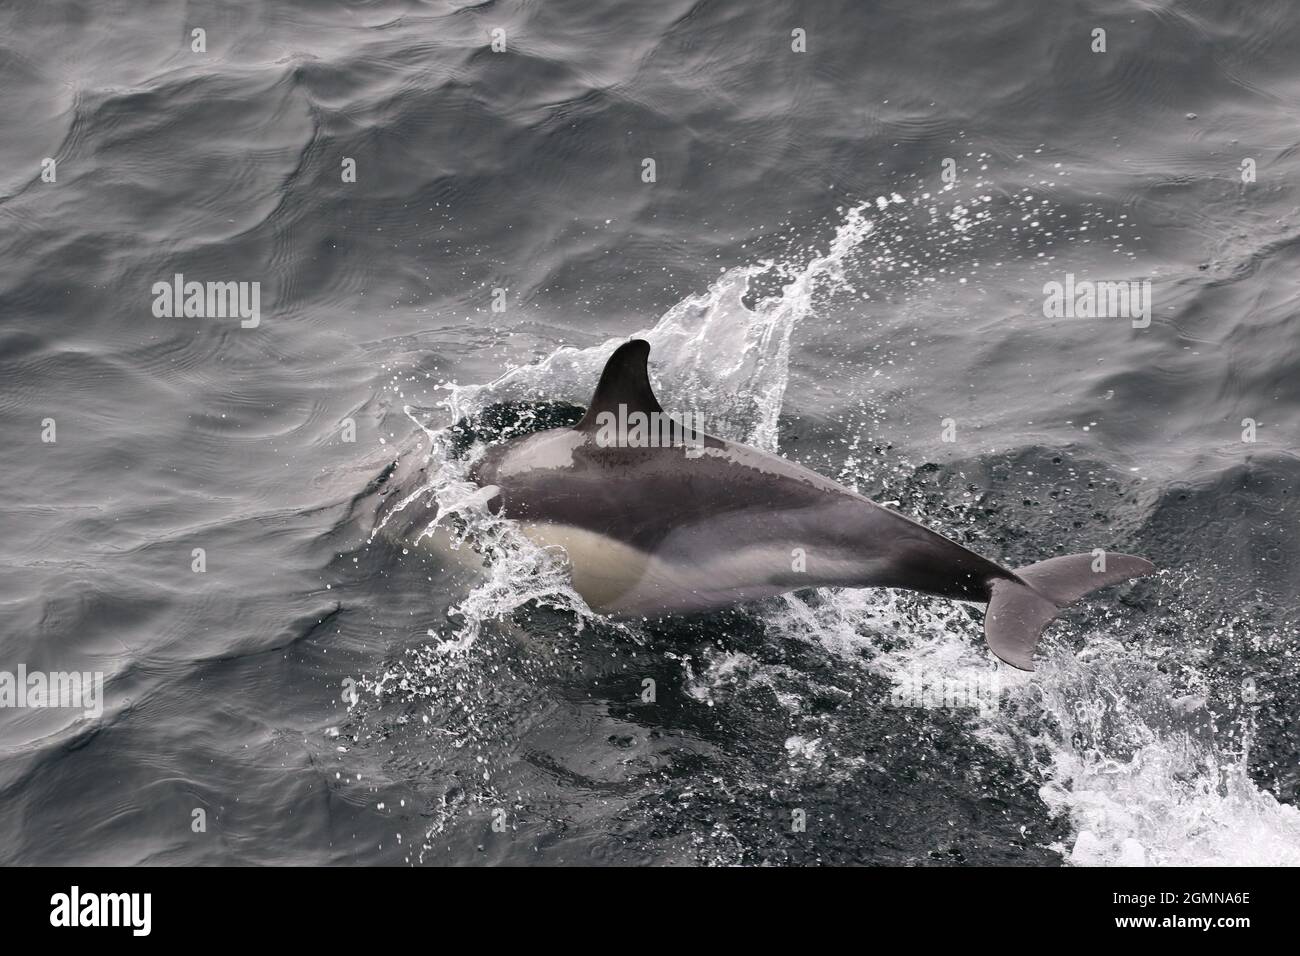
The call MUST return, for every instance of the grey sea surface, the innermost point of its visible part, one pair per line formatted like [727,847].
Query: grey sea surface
[842,249]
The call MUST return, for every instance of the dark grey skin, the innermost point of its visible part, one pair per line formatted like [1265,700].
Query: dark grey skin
[661,503]
[653,531]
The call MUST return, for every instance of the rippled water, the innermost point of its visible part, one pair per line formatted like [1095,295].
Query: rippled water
[809,282]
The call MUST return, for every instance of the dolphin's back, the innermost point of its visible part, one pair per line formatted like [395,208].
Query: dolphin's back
[757,523]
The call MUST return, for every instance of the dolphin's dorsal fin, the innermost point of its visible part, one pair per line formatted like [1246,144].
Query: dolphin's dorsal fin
[625,381]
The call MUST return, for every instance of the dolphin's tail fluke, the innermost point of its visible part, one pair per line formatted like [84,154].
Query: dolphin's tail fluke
[1020,609]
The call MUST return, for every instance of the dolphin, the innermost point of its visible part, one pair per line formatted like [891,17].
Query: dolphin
[698,523]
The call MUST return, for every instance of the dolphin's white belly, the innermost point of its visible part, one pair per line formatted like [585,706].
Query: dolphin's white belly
[603,569]
[616,578]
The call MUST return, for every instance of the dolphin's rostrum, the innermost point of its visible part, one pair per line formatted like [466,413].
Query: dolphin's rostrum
[697,525]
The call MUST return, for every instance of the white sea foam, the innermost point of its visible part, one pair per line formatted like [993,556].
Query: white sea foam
[1138,788]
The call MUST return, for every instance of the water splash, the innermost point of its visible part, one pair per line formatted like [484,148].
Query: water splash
[731,360]
[1136,787]
[1142,790]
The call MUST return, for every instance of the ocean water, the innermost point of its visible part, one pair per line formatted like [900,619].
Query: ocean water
[843,256]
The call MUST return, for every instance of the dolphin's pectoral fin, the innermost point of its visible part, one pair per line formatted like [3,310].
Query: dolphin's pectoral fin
[625,381]
[1018,611]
